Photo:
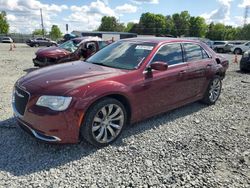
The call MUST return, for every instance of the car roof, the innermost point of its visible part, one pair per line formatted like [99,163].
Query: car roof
[160,39]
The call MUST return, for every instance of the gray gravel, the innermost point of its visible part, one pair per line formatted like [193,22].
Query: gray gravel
[193,146]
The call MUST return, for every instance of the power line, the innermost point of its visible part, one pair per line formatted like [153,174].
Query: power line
[247,8]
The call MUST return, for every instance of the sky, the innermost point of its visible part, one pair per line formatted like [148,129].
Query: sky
[84,15]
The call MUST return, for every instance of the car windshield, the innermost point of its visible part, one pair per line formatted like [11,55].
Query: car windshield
[122,54]
[70,45]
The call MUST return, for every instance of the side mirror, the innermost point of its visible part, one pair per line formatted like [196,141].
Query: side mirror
[159,65]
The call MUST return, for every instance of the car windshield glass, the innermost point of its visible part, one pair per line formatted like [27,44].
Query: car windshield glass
[70,45]
[122,54]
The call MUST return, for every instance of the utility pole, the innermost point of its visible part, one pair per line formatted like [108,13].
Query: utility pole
[247,9]
[42,21]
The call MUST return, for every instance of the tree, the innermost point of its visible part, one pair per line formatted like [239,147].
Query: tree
[198,27]
[216,31]
[245,33]
[110,23]
[182,24]
[4,26]
[152,24]
[55,32]
[129,27]
[38,32]
[170,25]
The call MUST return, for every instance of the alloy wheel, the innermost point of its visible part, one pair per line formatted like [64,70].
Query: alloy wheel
[215,89]
[107,123]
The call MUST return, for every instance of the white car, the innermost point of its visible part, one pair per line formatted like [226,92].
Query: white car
[7,40]
[240,49]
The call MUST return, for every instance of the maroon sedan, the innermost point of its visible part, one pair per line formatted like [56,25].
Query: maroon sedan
[72,50]
[125,82]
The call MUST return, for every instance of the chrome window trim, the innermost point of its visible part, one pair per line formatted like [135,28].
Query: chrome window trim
[53,138]
[150,61]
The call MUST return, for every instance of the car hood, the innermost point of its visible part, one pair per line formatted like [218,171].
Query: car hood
[52,52]
[63,78]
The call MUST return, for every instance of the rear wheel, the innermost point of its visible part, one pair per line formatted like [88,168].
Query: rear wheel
[213,91]
[237,51]
[104,122]
[220,50]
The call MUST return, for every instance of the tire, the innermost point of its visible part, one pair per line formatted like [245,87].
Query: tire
[213,91]
[220,50]
[237,51]
[104,121]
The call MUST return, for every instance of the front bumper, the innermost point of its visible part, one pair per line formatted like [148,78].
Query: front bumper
[39,135]
[47,125]
[42,63]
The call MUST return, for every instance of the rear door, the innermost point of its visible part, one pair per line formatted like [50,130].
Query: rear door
[163,89]
[199,65]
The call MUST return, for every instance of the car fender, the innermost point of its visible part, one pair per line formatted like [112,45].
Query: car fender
[94,92]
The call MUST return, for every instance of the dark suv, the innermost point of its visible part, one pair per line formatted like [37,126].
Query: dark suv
[40,42]
[125,82]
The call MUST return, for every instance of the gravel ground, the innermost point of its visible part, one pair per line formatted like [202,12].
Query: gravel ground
[193,146]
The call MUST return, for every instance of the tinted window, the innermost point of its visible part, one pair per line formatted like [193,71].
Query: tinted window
[219,43]
[193,52]
[102,44]
[170,53]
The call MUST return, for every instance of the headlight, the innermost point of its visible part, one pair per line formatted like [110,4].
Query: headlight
[57,103]
[246,54]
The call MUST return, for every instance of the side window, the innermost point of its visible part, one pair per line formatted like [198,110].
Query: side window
[102,44]
[170,53]
[193,52]
[204,54]
[248,44]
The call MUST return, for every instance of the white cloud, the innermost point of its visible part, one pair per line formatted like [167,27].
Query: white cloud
[222,14]
[244,3]
[24,15]
[126,8]
[145,1]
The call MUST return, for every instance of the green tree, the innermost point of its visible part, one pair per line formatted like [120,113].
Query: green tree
[182,24]
[197,27]
[231,33]
[55,32]
[4,26]
[110,23]
[152,24]
[38,32]
[216,31]
[129,27]
[170,27]
[245,33]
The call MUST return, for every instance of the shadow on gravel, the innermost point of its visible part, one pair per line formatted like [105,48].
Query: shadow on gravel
[22,155]
[30,69]
[243,72]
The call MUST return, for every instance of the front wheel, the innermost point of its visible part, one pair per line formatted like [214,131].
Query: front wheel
[104,122]
[213,91]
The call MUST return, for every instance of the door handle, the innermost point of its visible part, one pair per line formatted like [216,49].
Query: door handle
[182,72]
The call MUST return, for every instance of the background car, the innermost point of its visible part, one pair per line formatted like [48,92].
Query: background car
[72,50]
[125,82]
[7,40]
[240,49]
[245,61]
[222,46]
[40,42]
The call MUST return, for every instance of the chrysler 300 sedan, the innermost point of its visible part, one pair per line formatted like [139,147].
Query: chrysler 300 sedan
[123,83]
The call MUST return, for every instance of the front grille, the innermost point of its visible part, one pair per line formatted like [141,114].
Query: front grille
[21,98]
